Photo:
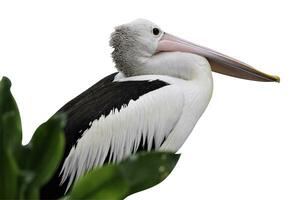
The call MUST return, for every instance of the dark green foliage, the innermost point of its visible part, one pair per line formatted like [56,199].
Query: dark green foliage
[9,174]
[46,149]
[10,122]
[114,182]
[43,154]
[25,169]
[10,141]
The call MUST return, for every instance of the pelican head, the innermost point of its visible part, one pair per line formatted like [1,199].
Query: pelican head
[141,44]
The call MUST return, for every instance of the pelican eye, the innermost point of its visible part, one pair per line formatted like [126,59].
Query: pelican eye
[155,31]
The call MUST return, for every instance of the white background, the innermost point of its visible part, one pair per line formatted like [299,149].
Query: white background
[247,143]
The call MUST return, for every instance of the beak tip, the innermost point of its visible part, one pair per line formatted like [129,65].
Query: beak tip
[276,78]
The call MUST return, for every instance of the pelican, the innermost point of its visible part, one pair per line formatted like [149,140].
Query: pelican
[161,89]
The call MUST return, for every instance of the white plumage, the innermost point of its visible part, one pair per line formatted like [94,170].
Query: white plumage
[168,112]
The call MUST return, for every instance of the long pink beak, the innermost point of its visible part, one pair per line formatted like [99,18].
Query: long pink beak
[219,62]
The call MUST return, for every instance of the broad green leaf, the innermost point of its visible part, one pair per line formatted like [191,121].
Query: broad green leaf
[110,186]
[10,141]
[10,122]
[115,182]
[46,149]
[147,169]
[10,129]
[32,192]
[8,174]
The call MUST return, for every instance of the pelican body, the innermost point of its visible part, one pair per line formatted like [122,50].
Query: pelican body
[162,87]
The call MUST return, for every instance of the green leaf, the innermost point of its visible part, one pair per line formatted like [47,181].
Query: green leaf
[32,193]
[8,174]
[148,169]
[11,134]
[10,121]
[103,183]
[115,182]
[46,149]
[10,141]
